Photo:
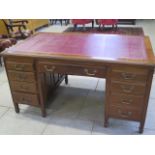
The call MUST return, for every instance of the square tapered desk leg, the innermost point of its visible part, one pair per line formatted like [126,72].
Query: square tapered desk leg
[106,122]
[16,107]
[66,79]
[43,112]
[141,127]
[42,104]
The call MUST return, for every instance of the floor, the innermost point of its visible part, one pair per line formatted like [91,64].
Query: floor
[76,108]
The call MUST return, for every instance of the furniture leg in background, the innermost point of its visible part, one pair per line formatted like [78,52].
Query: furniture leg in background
[54,21]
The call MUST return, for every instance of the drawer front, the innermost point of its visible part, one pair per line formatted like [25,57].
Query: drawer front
[127,76]
[24,87]
[24,98]
[120,87]
[21,76]
[125,113]
[129,69]
[73,70]
[19,66]
[131,101]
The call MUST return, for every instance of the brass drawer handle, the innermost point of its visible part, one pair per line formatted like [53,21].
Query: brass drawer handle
[127,89]
[90,74]
[127,102]
[125,115]
[51,69]
[19,67]
[128,76]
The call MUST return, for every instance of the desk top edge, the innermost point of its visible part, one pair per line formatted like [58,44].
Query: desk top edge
[150,62]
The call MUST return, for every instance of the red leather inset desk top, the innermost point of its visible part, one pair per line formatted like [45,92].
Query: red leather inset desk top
[96,46]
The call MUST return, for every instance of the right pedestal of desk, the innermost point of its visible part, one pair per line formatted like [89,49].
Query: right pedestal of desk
[127,93]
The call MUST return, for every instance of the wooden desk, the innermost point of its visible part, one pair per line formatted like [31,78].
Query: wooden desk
[127,63]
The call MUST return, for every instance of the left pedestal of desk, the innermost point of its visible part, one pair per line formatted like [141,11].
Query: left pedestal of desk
[22,80]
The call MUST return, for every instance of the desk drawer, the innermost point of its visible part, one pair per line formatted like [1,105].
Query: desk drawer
[129,101]
[127,88]
[125,113]
[24,98]
[73,70]
[23,86]
[128,76]
[21,76]
[19,66]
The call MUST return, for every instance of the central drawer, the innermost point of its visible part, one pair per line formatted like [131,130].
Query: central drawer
[21,76]
[72,69]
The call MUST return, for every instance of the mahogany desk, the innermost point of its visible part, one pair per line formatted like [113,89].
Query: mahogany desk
[126,62]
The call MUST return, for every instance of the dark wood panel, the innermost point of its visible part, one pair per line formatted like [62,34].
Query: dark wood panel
[127,21]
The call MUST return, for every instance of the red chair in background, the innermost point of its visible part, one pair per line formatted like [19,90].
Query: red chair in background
[103,22]
[82,22]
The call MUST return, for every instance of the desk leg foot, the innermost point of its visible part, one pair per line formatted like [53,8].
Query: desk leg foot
[106,123]
[66,79]
[16,107]
[43,112]
[141,128]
